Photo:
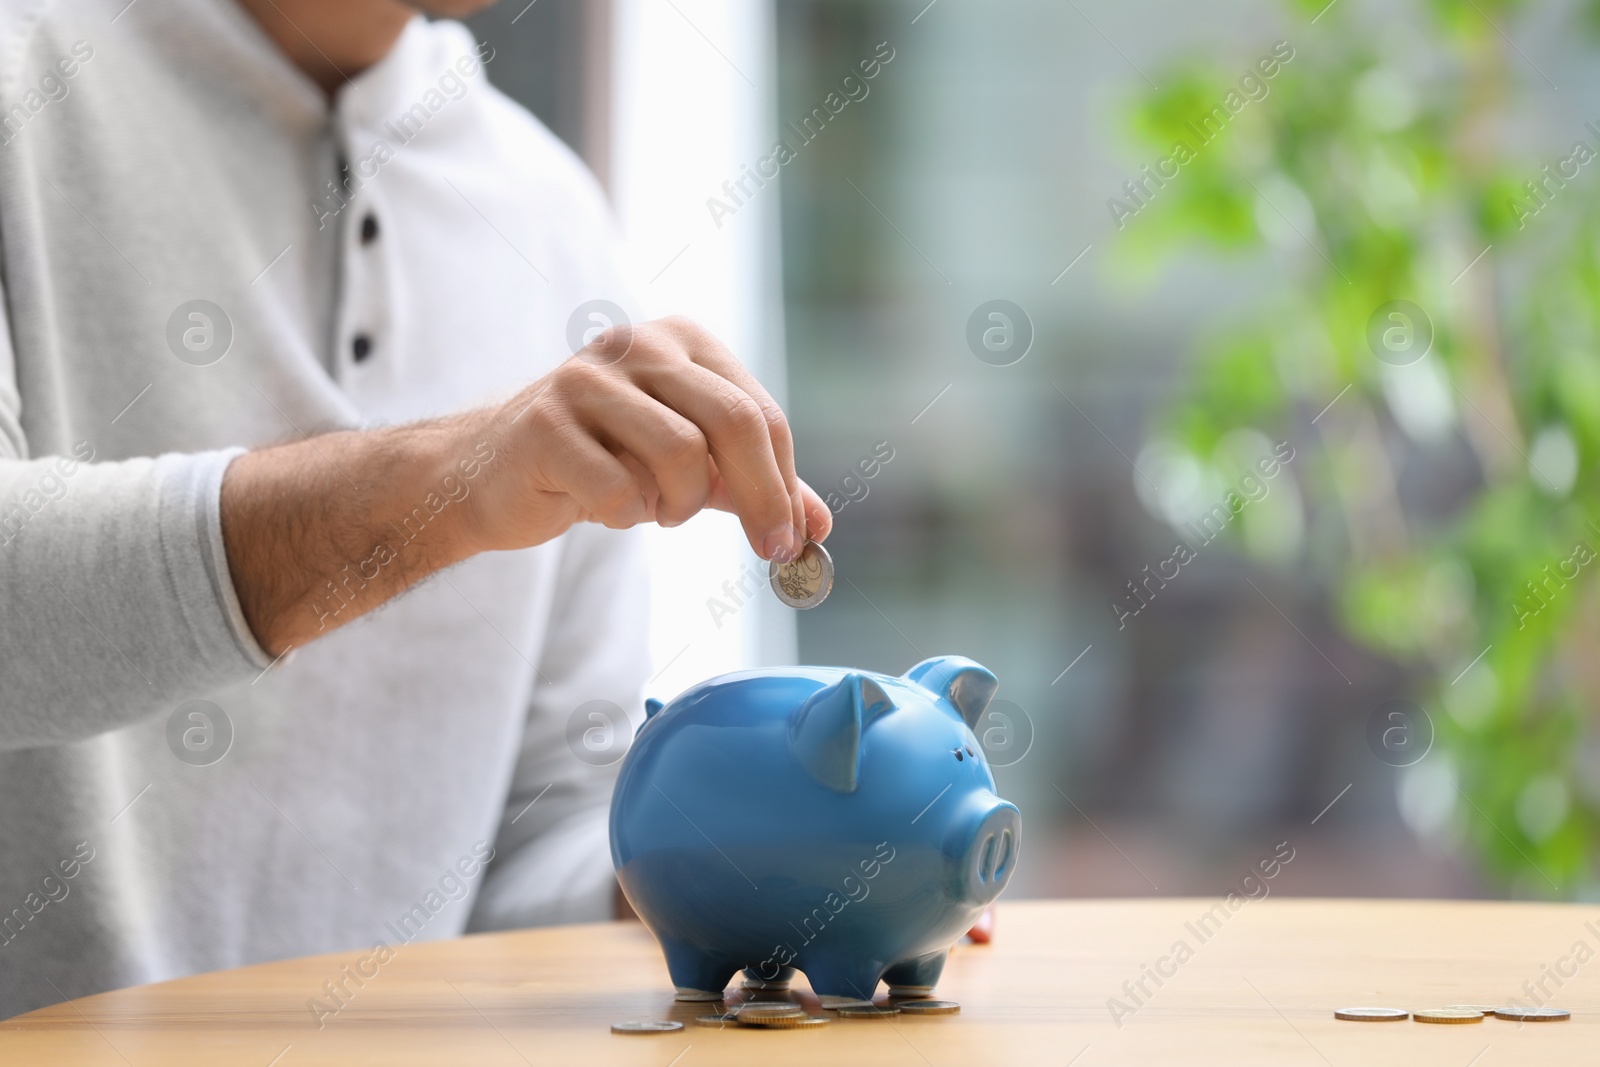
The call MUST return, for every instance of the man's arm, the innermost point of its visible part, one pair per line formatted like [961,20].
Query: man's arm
[115,600]
[649,423]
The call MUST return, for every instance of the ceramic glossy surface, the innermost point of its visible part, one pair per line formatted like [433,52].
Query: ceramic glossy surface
[840,822]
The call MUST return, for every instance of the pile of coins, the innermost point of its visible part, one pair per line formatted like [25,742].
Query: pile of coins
[766,1015]
[788,1015]
[1453,1014]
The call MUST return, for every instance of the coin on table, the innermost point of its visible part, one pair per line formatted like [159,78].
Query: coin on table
[928,1007]
[754,1012]
[646,1026]
[830,1002]
[866,1011]
[1533,1015]
[785,1022]
[721,1022]
[1448,1015]
[1372,1015]
[803,582]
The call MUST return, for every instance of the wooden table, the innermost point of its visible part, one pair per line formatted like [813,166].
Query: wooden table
[1260,988]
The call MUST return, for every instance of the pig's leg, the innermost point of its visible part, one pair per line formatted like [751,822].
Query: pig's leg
[698,975]
[839,981]
[781,978]
[916,978]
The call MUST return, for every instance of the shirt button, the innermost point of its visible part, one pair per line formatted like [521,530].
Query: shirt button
[369,229]
[361,347]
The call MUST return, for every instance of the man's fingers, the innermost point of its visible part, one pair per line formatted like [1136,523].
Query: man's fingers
[739,440]
[597,480]
[819,519]
[648,489]
[718,438]
[720,499]
[708,352]
[671,450]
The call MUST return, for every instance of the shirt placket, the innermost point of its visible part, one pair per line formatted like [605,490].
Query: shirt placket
[367,351]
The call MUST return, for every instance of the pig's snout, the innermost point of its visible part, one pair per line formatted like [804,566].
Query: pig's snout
[988,856]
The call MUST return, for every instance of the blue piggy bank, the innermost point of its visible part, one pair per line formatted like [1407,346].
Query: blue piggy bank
[837,822]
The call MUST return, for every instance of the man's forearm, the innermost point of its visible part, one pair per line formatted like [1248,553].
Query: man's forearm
[648,423]
[324,530]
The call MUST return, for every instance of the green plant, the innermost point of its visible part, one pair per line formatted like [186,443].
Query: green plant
[1374,179]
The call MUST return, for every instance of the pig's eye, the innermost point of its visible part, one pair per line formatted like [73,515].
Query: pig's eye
[959,757]
[971,753]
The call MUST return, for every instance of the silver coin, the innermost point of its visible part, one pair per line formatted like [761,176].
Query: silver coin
[866,1011]
[803,582]
[1372,1015]
[1533,1015]
[646,1026]
[764,1009]
[831,1003]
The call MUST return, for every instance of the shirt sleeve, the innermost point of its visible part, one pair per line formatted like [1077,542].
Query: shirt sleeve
[553,851]
[117,599]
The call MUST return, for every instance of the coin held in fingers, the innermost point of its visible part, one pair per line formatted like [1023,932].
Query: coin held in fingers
[806,580]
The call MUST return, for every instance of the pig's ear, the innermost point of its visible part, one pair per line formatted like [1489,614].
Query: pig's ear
[825,731]
[651,706]
[967,685]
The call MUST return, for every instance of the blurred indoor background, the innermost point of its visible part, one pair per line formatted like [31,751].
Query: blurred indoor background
[1386,656]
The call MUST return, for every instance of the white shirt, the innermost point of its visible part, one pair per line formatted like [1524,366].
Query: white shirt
[184,159]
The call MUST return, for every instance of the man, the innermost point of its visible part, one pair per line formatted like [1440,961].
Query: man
[229,223]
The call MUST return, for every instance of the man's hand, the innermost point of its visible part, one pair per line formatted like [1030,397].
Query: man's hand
[651,423]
